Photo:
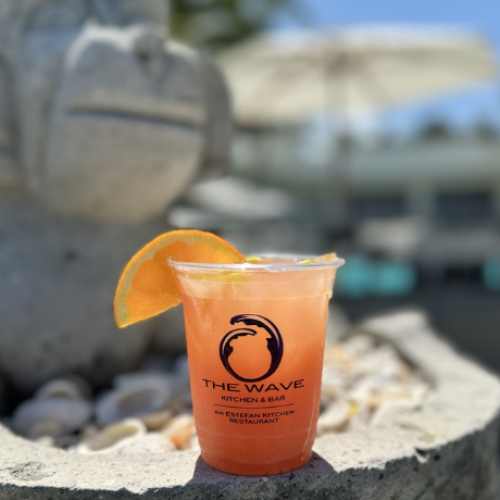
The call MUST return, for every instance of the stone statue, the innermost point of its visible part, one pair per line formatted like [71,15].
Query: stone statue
[103,123]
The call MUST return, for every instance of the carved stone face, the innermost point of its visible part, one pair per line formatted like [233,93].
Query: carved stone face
[122,143]
[111,124]
[35,37]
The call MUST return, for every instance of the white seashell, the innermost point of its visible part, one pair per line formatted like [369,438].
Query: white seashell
[82,384]
[333,382]
[178,382]
[392,412]
[334,418]
[384,362]
[420,391]
[361,418]
[194,444]
[63,388]
[45,441]
[45,429]
[67,441]
[53,417]
[183,403]
[365,387]
[140,379]
[156,363]
[180,430]
[113,437]
[156,420]
[136,395]
[378,386]
[360,344]
[89,431]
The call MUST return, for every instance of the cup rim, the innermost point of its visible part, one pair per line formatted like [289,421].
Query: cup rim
[293,265]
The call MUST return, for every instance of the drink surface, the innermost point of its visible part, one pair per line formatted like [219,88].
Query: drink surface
[255,346]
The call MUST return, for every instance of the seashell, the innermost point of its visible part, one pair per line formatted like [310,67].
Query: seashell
[338,357]
[156,363]
[420,391]
[52,417]
[183,403]
[333,383]
[45,428]
[89,431]
[334,418]
[390,368]
[74,388]
[45,441]
[157,420]
[360,418]
[140,379]
[376,386]
[364,388]
[113,437]
[391,412]
[359,344]
[384,362]
[404,374]
[395,392]
[67,441]
[136,395]
[194,444]
[82,384]
[180,430]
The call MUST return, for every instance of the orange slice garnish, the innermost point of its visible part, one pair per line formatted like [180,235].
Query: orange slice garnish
[147,286]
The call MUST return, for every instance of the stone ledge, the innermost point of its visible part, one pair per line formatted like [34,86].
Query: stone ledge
[445,450]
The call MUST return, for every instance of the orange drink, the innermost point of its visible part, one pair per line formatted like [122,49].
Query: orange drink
[255,336]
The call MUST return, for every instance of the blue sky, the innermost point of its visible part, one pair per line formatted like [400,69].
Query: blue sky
[482,16]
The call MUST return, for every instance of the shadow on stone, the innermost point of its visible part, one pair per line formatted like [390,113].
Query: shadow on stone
[204,474]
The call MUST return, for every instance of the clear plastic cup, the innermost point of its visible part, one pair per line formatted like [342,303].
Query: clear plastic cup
[255,339]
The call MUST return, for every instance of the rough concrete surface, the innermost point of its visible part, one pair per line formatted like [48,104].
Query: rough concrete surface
[446,450]
[127,130]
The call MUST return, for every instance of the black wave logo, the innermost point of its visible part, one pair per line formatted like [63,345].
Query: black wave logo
[274,343]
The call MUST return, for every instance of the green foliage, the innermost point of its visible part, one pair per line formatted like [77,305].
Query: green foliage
[216,24]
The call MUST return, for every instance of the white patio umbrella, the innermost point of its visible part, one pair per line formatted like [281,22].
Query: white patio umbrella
[283,79]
